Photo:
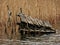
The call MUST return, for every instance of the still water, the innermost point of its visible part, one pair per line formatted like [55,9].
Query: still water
[52,39]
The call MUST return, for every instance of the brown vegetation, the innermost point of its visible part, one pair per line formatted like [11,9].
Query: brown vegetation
[41,9]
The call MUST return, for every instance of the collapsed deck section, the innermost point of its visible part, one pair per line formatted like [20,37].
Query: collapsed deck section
[32,27]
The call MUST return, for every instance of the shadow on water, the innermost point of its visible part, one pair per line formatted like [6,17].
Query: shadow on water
[44,39]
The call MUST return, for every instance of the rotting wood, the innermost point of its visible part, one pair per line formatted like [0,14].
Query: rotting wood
[33,26]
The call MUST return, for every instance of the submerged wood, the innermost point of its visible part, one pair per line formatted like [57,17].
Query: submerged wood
[32,26]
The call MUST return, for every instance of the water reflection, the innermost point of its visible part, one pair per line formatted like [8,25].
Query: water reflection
[53,39]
